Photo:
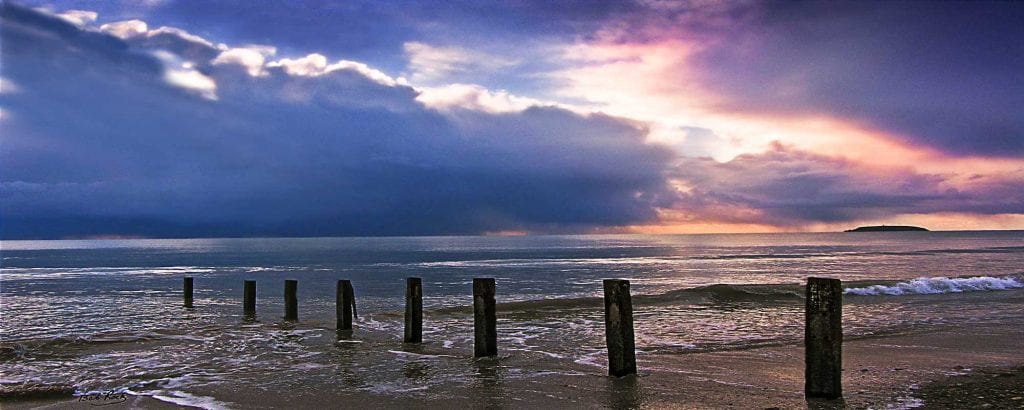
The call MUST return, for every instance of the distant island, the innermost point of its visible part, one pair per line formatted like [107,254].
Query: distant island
[886,228]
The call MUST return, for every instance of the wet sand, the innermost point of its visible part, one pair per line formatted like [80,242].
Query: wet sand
[952,367]
[983,389]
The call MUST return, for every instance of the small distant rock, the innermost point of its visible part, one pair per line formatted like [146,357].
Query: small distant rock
[887,228]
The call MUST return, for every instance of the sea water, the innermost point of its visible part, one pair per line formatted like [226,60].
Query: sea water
[107,315]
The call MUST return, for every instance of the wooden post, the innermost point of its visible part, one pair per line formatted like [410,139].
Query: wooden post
[823,339]
[346,304]
[291,302]
[618,326]
[413,310]
[249,298]
[187,291]
[485,328]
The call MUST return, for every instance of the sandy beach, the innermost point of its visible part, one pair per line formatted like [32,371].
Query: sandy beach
[366,204]
[726,332]
[950,368]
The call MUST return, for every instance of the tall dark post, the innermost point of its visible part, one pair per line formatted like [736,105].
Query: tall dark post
[823,339]
[485,327]
[291,302]
[618,327]
[187,291]
[346,304]
[413,310]
[249,298]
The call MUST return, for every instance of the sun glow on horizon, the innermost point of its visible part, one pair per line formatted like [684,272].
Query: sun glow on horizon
[656,119]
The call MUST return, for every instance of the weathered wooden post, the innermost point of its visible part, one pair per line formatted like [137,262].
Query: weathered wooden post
[187,291]
[345,299]
[823,339]
[249,298]
[413,310]
[618,325]
[291,302]
[485,327]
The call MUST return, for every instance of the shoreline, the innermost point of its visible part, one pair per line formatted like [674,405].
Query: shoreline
[926,368]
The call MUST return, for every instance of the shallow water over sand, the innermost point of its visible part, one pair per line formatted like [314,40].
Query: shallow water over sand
[107,315]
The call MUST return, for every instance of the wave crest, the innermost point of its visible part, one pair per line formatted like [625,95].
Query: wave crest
[931,286]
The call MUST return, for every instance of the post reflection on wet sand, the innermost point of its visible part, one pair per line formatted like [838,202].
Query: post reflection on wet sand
[487,383]
[624,392]
[343,335]
[348,373]
[823,404]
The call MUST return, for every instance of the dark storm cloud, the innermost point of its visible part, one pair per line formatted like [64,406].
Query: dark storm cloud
[96,141]
[101,135]
[945,75]
[785,186]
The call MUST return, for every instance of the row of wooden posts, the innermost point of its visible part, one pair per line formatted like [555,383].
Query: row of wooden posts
[823,333]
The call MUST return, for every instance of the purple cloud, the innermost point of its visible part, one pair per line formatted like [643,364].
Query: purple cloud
[162,133]
[99,138]
[945,75]
[789,187]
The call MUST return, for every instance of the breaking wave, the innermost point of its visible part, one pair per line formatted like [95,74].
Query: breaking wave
[766,293]
[718,293]
[931,286]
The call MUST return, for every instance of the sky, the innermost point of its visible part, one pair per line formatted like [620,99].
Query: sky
[188,118]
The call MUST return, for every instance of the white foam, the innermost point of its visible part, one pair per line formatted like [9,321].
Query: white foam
[171,383]
[181,398]
[548,354]
[418,355]
[308,366]
[74,273]
[372,323]
[930,286]
[905,403]
[594,358]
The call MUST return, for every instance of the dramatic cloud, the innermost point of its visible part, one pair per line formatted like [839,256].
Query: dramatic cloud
[787,187]
[371,118]
[78,17]
[935,75]
[103,138]
[475,97]
[251,57]
[430,64]
[944,75]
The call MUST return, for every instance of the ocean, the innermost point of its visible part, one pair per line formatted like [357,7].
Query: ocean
[107,315]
